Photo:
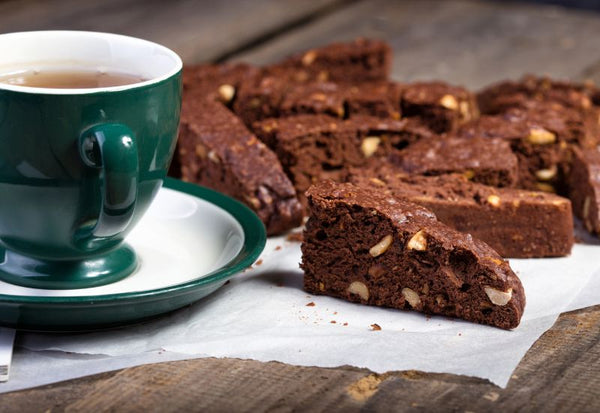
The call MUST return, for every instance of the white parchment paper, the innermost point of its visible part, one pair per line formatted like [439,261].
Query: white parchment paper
[262,314]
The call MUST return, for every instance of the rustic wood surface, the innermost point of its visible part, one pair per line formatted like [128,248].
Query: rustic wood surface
[467,42]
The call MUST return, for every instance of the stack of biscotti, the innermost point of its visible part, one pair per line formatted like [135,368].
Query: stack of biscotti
[321,112]
[485,163]
[327,134]
[554,128]
[218,150]
[332,108]
[517,223]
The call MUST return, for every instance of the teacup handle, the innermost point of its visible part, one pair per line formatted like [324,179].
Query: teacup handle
[112,148]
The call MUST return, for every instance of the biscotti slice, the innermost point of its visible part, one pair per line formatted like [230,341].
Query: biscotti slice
[314,98]
[260,98]
[220,82]
[279,96]
[442,107]
[310,148]
[583,186]
[487,161]
[316,147]
[387,136]
[569,124]
[361,60]
[380,99]
[216,150]
[499,97]
[369,247]
[516,223]
[539,136]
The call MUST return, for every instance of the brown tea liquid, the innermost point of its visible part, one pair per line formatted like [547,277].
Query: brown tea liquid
[71,79]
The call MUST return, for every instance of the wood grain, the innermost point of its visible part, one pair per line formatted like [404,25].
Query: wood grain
[199,30]
[559,373]
[471,43]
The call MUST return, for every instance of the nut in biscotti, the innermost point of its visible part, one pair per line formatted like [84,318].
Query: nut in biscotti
[546,174]
[226,93]
[539,136]
[498,297]
[411,297]
[369,145]
[449,102]
[493,200]
[382,246]
[417,242]
[360,289]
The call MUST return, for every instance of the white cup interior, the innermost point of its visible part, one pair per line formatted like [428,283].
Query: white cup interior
[79,50]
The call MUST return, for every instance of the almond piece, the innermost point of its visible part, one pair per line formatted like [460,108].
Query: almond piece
[498,297]
[360,289]
[382,246]
[418,242]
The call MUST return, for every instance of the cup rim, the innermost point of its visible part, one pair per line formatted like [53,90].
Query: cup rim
[178,65]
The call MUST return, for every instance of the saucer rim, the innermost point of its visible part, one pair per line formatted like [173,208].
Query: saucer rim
[255,238]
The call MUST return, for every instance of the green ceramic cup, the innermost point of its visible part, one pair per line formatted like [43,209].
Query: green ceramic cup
[79,167]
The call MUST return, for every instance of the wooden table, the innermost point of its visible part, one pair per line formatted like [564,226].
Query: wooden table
[466,42]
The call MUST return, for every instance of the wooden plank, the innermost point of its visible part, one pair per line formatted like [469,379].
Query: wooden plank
[560,372]
[197,30]
[471,43]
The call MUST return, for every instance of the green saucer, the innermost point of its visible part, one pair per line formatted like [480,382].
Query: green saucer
[188,244]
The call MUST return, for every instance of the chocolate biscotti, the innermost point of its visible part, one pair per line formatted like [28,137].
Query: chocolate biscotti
[366,246]
[583,186]
[380,99]
[220,82]
[216,150]
[487,161]
[499,97]
[278,96]
[539,137]
[442,107]
[516,223]
[361,60]
[302,77]
[316,147]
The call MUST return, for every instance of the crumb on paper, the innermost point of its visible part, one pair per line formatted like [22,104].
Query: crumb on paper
[311,304]
[335,313]
[375,327]
[259,262]
[295,237]
[345,324]
[333,322]
[277,248]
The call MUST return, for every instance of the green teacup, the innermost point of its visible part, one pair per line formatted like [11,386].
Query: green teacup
[80,165]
